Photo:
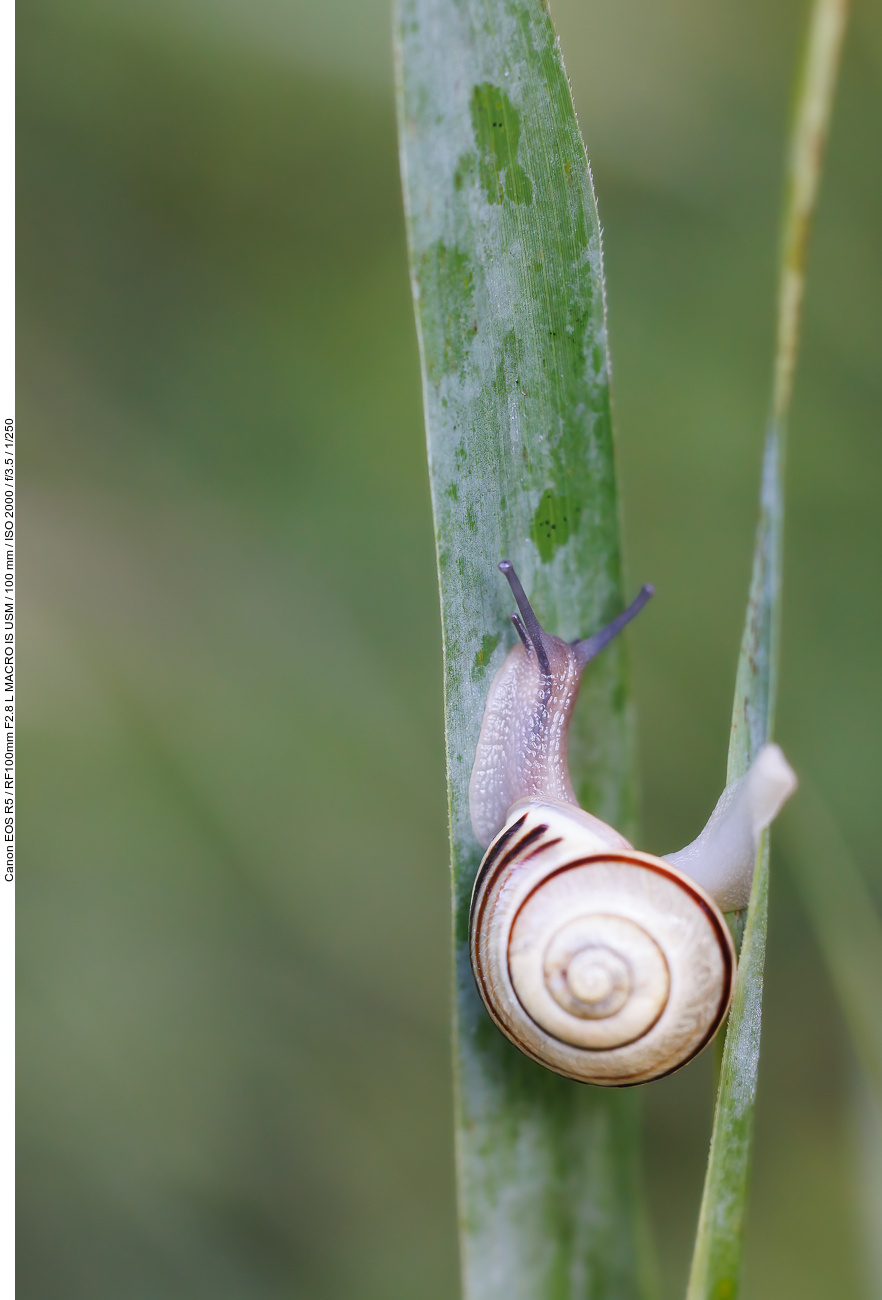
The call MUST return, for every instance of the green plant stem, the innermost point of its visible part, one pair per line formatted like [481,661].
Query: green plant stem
[718,1247]
[506,268]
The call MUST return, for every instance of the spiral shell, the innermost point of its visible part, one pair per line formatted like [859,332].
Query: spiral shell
[602,963]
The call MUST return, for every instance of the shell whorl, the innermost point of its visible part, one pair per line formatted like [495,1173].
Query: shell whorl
[604,964]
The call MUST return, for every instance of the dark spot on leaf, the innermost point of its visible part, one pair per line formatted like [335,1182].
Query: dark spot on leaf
[489,643]
[551,524]
[497,126]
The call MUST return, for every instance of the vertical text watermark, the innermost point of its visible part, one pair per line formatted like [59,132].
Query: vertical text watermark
[9,650]
[7,412]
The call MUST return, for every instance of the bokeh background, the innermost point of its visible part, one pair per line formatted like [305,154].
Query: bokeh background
[234,907]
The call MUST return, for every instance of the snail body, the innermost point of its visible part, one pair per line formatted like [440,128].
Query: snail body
[600,962]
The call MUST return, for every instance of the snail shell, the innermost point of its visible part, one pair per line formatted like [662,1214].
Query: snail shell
[600,962]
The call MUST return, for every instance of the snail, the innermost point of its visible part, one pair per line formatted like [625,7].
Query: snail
[603,963]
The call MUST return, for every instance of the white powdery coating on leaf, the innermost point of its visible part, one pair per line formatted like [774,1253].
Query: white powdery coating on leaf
[747,1049]
[501,392]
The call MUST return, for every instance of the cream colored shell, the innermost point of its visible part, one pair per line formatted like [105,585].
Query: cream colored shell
[602,963]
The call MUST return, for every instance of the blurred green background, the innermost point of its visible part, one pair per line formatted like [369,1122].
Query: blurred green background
[234,909]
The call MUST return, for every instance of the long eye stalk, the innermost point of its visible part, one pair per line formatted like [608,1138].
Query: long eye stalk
[592,645]
[531,624]
[531,632]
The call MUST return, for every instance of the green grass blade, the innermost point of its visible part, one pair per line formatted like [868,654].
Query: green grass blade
[506,269]
[716,1260]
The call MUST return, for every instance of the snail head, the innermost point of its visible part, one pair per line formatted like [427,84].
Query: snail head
[537,640]
[522,749]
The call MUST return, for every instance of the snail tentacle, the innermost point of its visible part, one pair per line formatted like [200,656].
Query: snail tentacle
[536,634]
[521,630]
[591,646]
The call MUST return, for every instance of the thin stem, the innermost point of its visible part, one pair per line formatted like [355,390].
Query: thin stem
[814,102]
[756,684]
[718,1245]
